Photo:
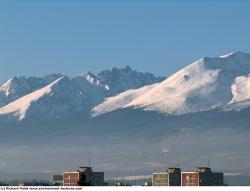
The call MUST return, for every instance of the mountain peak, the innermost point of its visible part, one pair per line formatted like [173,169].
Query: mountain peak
[203,85]
[21,105]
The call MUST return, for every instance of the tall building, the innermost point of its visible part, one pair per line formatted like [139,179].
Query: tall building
[83,177]
[172,177]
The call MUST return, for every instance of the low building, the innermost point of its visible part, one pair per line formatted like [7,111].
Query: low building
[83,177]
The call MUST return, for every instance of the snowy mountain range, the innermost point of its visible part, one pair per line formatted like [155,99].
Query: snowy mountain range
[208,83]
[55,95]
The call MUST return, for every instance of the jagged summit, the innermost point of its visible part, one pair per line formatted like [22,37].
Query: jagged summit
[126,78]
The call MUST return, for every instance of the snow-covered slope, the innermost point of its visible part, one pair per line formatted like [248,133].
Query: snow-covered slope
[116,102]
[205,84]
[20,106]
[18,87]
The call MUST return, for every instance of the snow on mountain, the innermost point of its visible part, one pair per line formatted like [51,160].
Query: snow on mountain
[18,87]
[205,84]
[20,106]
[92,78]
[208,83]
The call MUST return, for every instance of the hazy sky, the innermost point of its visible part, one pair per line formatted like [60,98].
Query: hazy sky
[71,37]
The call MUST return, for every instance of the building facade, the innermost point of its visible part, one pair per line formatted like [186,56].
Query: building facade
[71,178]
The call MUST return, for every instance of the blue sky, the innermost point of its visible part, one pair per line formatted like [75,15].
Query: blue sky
[72,37]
